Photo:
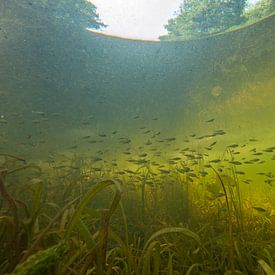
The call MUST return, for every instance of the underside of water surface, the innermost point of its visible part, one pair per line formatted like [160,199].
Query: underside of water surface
[133,157]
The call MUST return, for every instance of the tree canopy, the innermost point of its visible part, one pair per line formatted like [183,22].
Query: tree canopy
[261,9]
[202,17]
[74,12]
[69,14]
[198,18]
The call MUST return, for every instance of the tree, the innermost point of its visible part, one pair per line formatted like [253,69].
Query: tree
[260,10]
[74,12]
[203,17]
[70,14]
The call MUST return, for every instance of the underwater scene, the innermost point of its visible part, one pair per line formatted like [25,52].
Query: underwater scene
[122,156]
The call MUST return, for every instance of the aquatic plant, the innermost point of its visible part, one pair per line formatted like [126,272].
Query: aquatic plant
[98,232]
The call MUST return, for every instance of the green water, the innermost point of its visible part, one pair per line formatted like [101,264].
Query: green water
[162,118]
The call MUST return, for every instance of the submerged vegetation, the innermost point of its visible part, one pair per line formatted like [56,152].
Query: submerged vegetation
[184,217]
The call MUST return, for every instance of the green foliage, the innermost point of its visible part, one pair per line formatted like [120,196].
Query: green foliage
[77,235]
[200,18]
[268,270]
[80,12]
[260,10]
[64,14]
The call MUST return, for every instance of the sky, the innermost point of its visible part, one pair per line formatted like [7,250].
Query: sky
[138,19]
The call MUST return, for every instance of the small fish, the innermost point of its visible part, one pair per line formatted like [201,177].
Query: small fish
[212,144]
[148,142]
[38,113]
[210,120]
[218,133]
[140,161]
[184,170]
[255,160]
[218,195]
[129,171]
[156,134]
[92,141]
[120,173]
[125,141]
[85,137]
[176,158]
[260,173]
[190,156]
[163,171]
[233,145]
[269,175]
[259,209]
[253,139]
[215,161]
[240,172]
[268,150]
[205,136]
[97,169]
[235,162]
[269,181]
[193,175]
[203,173]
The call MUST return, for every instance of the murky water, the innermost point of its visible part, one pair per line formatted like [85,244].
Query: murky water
[160,114]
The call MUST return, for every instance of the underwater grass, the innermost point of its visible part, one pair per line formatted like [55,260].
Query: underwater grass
[78,237]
